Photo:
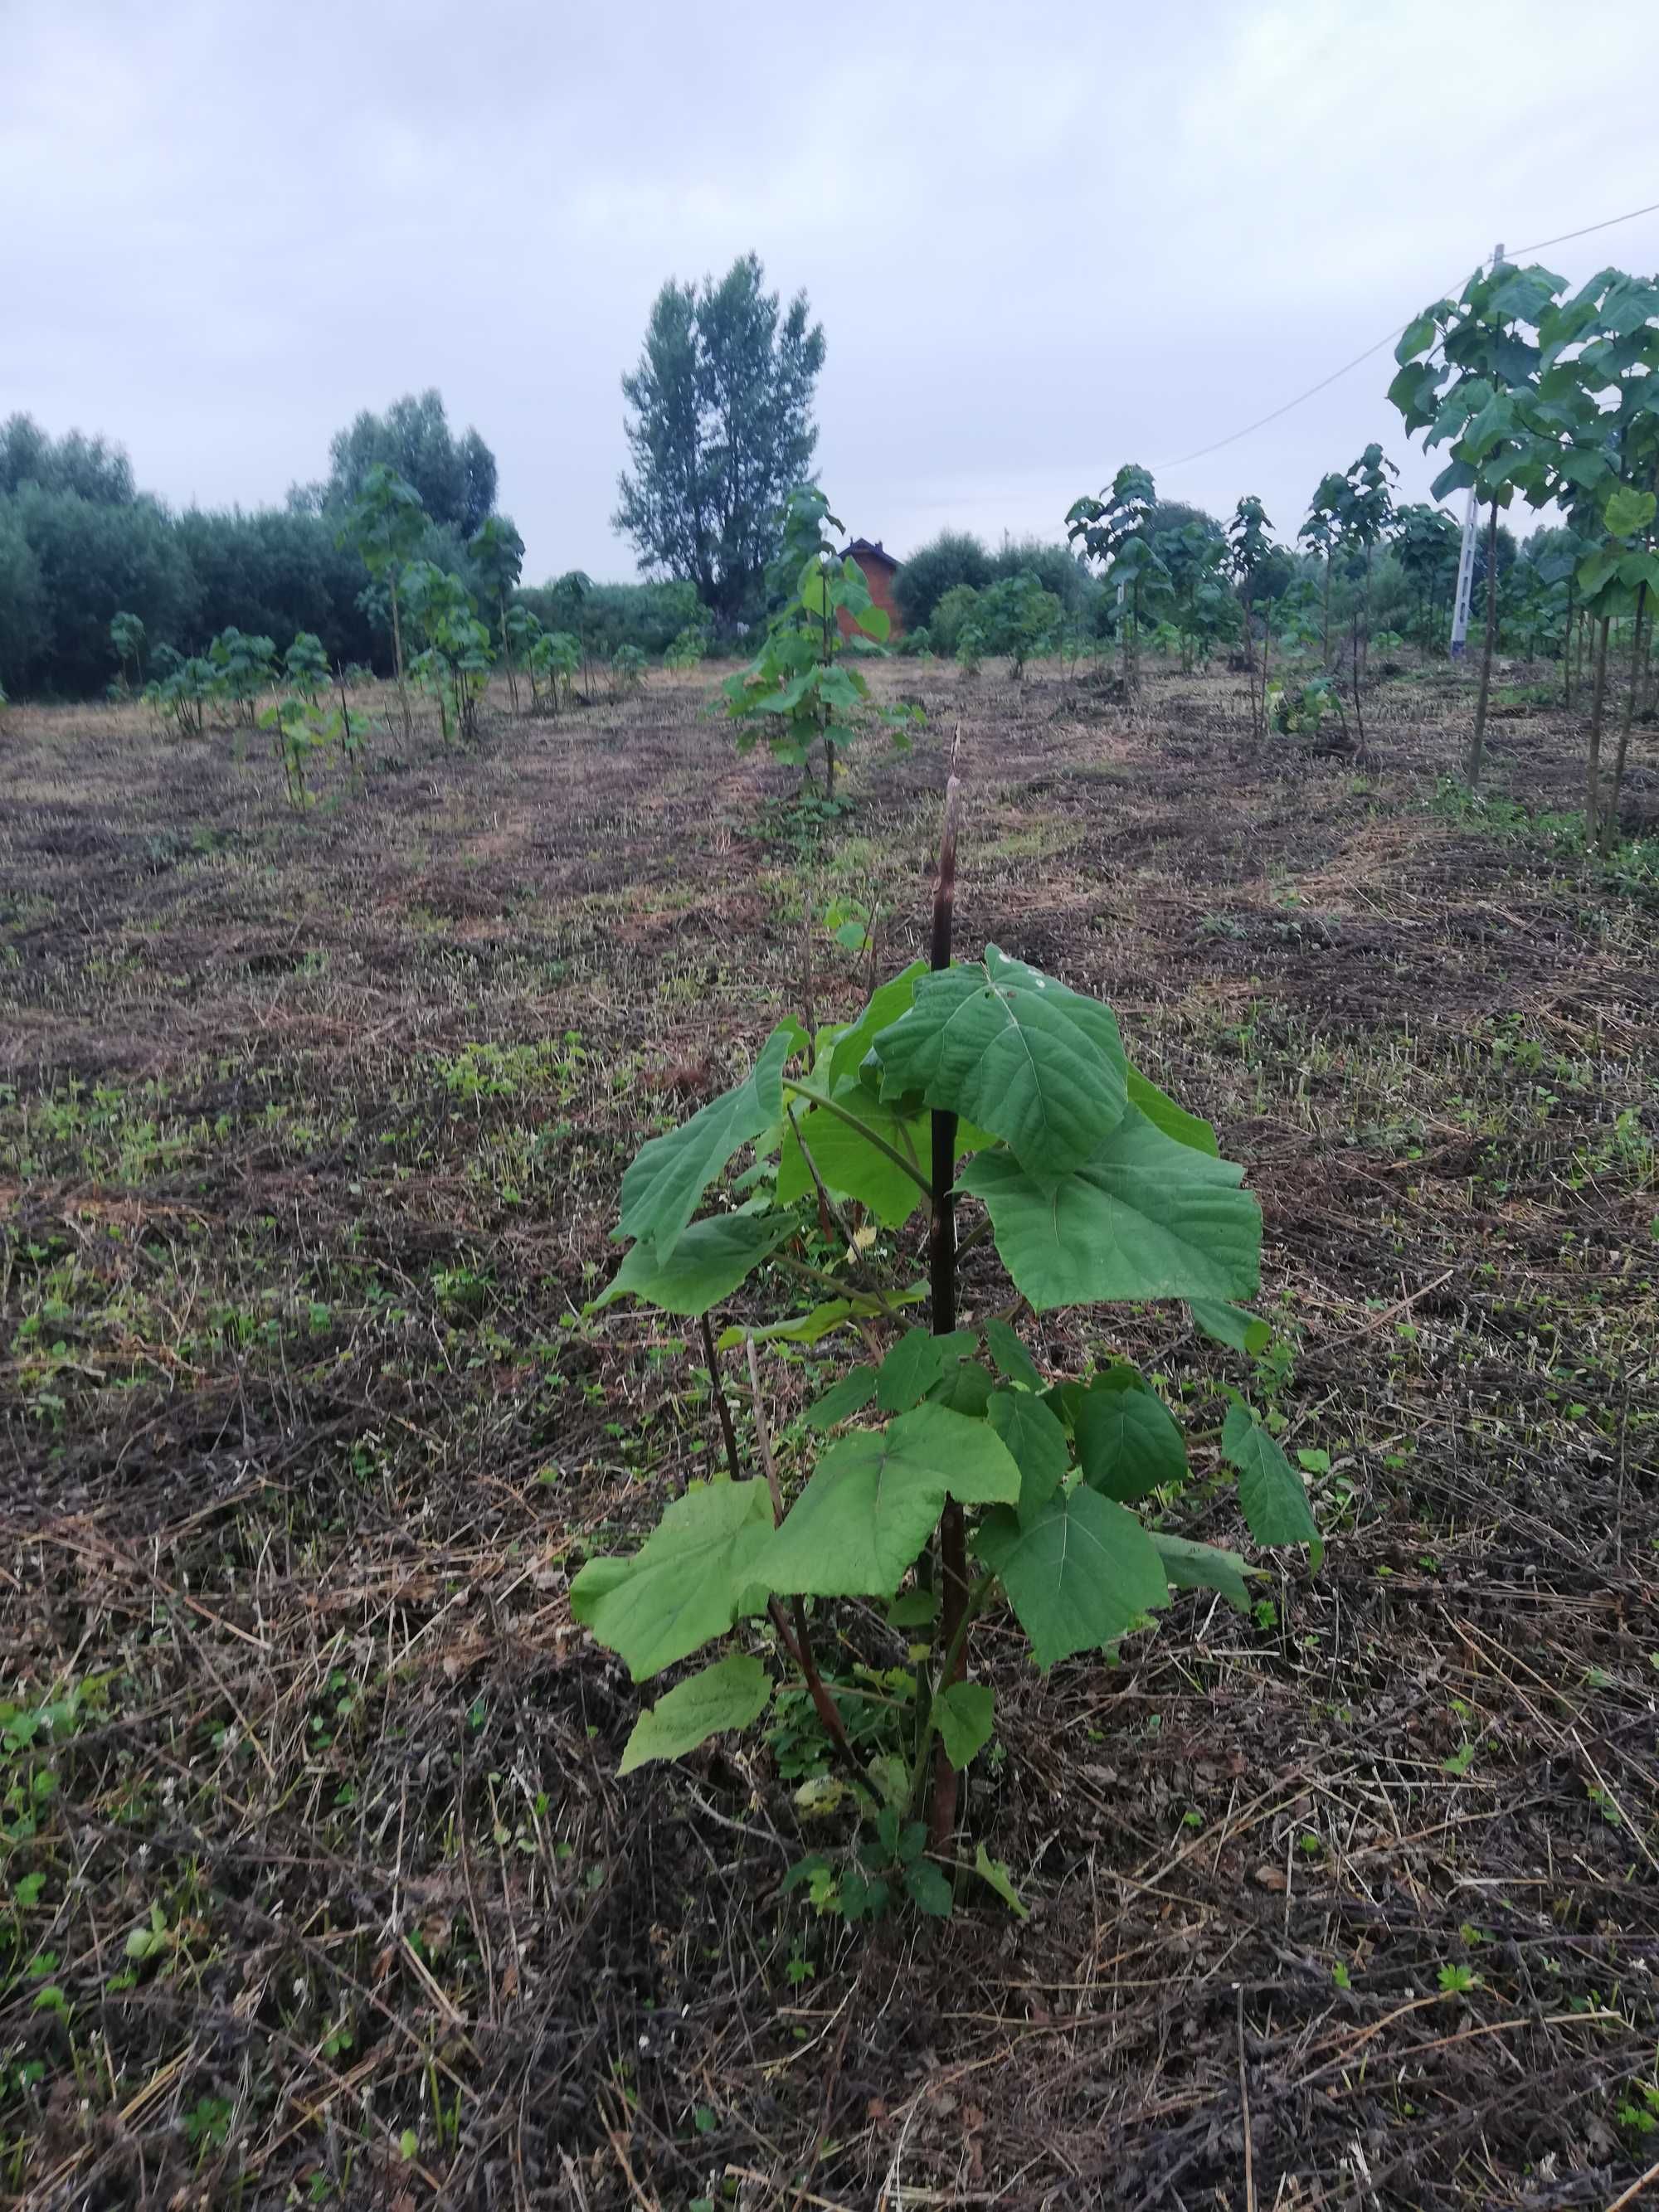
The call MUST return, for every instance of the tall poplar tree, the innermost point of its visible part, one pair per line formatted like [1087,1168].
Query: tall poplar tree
[719,428]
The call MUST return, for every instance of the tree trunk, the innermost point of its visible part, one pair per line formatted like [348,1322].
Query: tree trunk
[1266,661]
[1593,757]
[1566,653]
[397,657]
[1325,647]
[1478,742]
[1365,613]
[507,655]
[1637,669]
[942,1282]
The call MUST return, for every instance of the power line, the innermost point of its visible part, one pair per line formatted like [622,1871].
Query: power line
[1539,245]
[1388,337]
[1261,422]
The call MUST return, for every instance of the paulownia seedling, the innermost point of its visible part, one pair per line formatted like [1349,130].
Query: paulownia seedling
[957,1476]
[800,688]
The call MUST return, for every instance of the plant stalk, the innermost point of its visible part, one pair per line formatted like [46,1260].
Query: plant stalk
[733,1463]
[1593,753]
[397,655]
[845,1113]
[942,1278]
[800,1645]
[1478,742]
[1638,662]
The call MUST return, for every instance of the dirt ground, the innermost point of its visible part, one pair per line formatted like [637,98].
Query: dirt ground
[317,1886]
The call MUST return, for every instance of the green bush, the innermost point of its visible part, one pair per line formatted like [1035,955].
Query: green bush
[959,607]
[954,558]
[605,615]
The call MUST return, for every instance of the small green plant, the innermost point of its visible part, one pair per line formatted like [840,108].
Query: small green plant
[1020,619]
[497,552]
[890,1863]
[982,1481]
[626,671]
[1469,379]
[1365,520]
[685,652]
[306,665]
[244,666]
[1249,550]
[1640,2110]
[1111,529]
[454,667]
[1205,612]
[799,688]
[554,657]
[296,733]
[127,637]
[1300,710]
[179,692]
[385,526]
[521,632]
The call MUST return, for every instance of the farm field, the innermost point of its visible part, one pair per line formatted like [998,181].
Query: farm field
[320,1886]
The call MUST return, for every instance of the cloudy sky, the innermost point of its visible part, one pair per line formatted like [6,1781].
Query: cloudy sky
[1043,240]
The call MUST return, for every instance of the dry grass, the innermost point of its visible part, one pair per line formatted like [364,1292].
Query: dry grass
[309,1144]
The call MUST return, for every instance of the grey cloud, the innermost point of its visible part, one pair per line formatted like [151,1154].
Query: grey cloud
[1042,240]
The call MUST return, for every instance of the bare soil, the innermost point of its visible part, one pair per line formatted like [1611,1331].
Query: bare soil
[320,1887]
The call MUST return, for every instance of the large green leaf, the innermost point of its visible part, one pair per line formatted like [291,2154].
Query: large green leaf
[1014,1052]
[1078,1576]
[887,1002]
[1597,569]
[1011,1358]
[872,1501]
[1038,1442]
[708,1261]
[1416,338]
[851,1166]
[694,1576]
[1232,1325]
[1128,1442]
[823,1320]
[915,1363]
[1203,1566]
[964,1385]
[843,1399]
[1495,422]
[1524,293]
[660,1190]
[964,1714]
[1175,1121]
[1270,1490]
[1144,1217]
[728,1695]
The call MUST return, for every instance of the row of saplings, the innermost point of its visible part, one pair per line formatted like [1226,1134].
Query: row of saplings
[454,658]
[315,713]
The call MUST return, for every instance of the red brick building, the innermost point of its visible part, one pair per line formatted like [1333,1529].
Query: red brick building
[879,569]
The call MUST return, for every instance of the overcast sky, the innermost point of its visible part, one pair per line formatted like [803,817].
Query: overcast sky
[1043,240]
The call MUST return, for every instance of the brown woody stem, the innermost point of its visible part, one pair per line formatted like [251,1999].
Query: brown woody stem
[800,1645]
[942,1276]
[734,1464]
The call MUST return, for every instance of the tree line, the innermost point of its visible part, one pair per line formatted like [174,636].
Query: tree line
[81,545]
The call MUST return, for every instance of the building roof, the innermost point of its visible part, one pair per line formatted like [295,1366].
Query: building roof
[863,548]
